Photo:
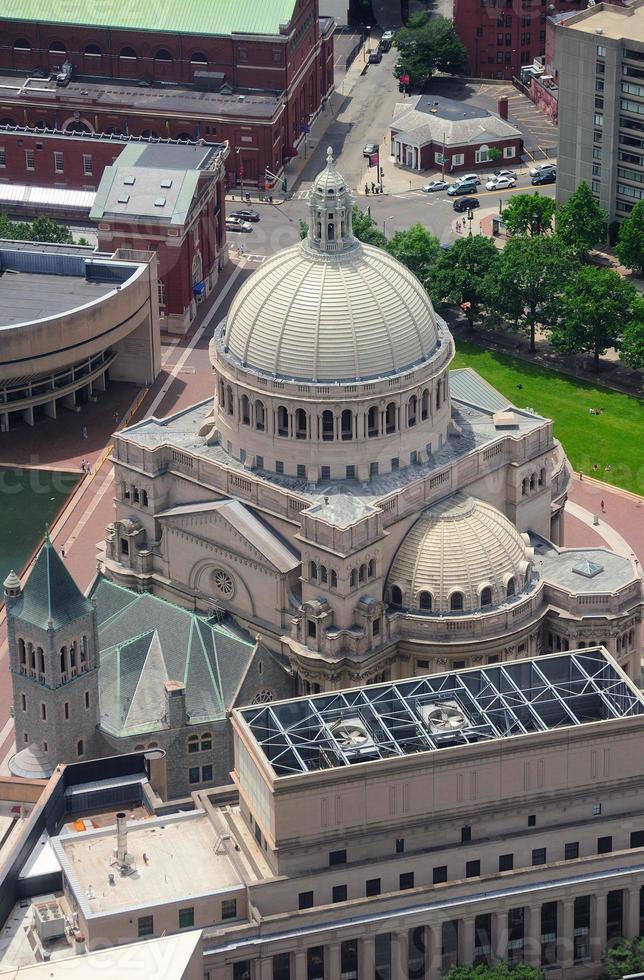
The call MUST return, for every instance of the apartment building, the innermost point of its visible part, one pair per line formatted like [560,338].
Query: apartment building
[599,58]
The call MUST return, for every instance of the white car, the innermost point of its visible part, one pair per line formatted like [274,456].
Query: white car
[500,183]
[543,168]
[435,185]
[238,224]
[464,178]
[504,173]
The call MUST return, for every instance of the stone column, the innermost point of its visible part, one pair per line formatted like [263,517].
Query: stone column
[499,938]
[632,912]
[597,925]
[265,969]
[300,964]
[532,935]
[331,961]
[565,933]
[466,941]
[434,952]
[400,954]
[366,958]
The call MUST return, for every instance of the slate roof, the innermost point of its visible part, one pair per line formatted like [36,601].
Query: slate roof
[145,641]
[50,596]
[452,124]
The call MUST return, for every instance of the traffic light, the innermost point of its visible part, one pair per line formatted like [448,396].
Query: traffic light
[284,185]
[382,172]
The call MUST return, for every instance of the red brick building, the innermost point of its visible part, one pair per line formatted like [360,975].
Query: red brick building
[254,74]
[503,35]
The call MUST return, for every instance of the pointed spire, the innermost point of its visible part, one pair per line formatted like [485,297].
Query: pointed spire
[329,158]
[51,597]
[11,582]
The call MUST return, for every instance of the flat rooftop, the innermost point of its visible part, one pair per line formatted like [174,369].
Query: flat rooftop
[180,860]
[439,711]
[583,570]
[617,23]
[27,296]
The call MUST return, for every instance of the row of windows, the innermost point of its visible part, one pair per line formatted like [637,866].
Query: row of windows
[330,426]
[22,46]
[200,774]
[186,917]
[80,745]
[357,575]
[200,743]
[135,494]
[532,482]
[59,160]
[425,602]
[43,706]
[73,658]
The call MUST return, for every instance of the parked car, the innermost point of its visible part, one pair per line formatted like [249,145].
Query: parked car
[369,149]
[375,56]
[386,41]
[543,168]
[547,177]
[500,183]
[246,214]
[463,187]
[236,224]
[388,35]
[505,173]
[435,185]
[466,204]
[473,177]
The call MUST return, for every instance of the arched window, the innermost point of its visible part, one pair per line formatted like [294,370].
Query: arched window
[373,417]
[282,421]
[486,596]
[631,637]
[193,743]
[57,47]
[144,498]
[314,570]
[41,124]
[139,748]
[524,486]
[229,400]
[245,410]
[334,579]
[128,54]
[510,587]
[371,569]
[84,647]
[22,653]
[390,418]
[412,405]
[222,393]
[260,416]
[346,424]
[532,481]
[80,747]
[362,573]
[327,426]
[93,50]
[324,577]
[113,131]
[206,741]
[618,644]
[438,394]
[198,58]
[21,45]
[542,476]
[353,578]
[163,55]
[396,596]
[7,121]
[456,601]
[424,405]
[425,601]
[184,138]
[300,424]
[77,126]
[63,659]
[32,656]
[149,134]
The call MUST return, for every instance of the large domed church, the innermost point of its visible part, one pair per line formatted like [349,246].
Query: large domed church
[362,511]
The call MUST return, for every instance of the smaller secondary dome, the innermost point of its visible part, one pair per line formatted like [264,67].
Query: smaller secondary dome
[12,581]
[329,181]
[462,555]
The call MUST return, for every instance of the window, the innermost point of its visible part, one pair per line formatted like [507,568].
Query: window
[376,627]
[506,862]
[229,908]
[3,157]
[604,845]
[186,918]
[466,833]
[327,426]
[29,160]
[163,55]
[532,820]
[406,880]
[206,774]
[339,893]
[301,471]
[193,743]
[571,850]
[456,601]
[80,748]
[43,712]
[400,845]
[23,704]
[56,47]
[509,152]
[472,869]
[241,970]
[597,809]
[538,855]
[58,162]
[486,596]
[193,774]
[637,838]
[93,50]
[395,463]
[372,887]
[599,119]
[439,874]
[325,473]
[601,51]
[425,601]
[198,58]
[337,857]
[87,699]
[373,469]
[145,925]
[351,473]
[279,466]
[305,900]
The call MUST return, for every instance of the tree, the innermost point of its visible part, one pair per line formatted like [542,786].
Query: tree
[630,240]
[365,228]
[526,280]
[426,46]
[581,223]
[529,213]
[593,309]
[499,970]
[631,348]
[417,249]
[459,275]
[494,154]
[39,230]
[623,959]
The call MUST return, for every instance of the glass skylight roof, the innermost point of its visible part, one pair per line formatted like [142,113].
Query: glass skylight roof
[342,728]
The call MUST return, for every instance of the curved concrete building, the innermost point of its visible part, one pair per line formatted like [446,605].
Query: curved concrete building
[70,319]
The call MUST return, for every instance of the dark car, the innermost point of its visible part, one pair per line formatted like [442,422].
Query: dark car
[546,177]
[246,214]
[375,56]
[466,204]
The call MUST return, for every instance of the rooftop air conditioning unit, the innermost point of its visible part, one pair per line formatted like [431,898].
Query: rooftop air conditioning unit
[442,718]
[352,736]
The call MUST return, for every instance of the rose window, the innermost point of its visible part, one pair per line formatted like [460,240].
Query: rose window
[263,697]
[223,583]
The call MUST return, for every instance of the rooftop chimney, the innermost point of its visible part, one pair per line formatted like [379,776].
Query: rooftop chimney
[121,837]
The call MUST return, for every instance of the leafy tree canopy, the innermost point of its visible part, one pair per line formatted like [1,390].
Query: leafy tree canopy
[581,223]
[38,230]
[416,248]
[459,274]
[429,45]
[622,959]
[631,348]
[365,228]
[498,970]
[593,309]
[529,214]
[630,240]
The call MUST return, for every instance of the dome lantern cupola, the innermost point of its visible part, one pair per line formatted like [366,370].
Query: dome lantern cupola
[330,207]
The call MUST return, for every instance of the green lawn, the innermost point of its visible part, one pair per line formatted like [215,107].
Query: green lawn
[616,437]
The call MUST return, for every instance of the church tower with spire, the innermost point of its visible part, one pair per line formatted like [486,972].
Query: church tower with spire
[53,656]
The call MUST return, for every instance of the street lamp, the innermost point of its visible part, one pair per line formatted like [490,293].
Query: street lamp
[384,223]
[470,218]
[240,169]
[367,37]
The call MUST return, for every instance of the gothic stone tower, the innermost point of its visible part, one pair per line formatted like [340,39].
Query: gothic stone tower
[53,656]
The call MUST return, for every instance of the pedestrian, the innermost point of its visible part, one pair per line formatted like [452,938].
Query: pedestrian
[84,432]
[603,507]
[62,551]
[366,189]
[115,417]
[88,468]
[83,465]
[581,474]
[373,187]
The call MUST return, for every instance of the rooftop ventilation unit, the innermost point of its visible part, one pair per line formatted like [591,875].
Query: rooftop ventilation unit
[49,920]
[443,718]
[130,181]
[352,736]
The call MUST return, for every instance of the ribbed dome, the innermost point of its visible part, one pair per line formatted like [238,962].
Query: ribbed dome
[331,317]
[459,546]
